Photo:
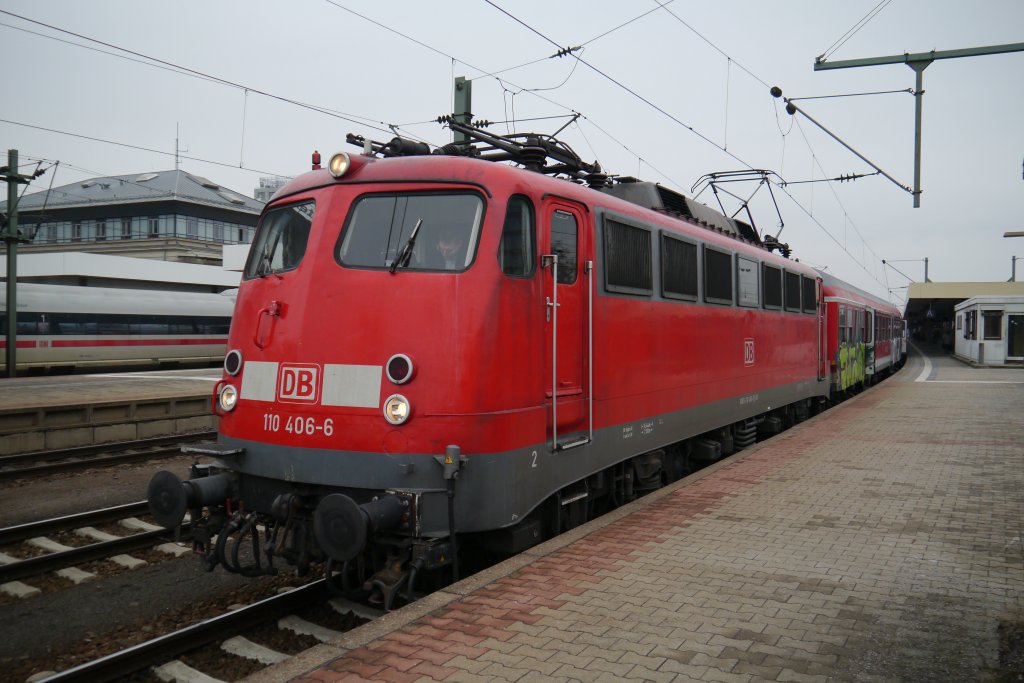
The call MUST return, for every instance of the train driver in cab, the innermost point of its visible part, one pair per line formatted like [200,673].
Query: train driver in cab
[450,249]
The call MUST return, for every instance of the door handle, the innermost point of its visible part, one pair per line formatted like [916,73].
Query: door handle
[550,305]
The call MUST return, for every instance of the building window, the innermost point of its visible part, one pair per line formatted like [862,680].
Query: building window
[101,231]
[627,254]
[51,232]
[678,268]
[993,324]
[126,228]
[191,226]
[515,253]
[717,276]
[76,231]
[970,322]
[154,227]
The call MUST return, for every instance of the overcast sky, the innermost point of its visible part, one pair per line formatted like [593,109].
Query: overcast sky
[703,68]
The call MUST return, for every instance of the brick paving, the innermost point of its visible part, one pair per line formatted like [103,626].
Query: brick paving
[879,541]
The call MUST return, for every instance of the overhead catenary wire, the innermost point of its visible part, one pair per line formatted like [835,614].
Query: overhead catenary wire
[135,147]
[841,40]
[161,63]
[563,52]
[734,156]
[584,118]
[852,94]
[623,86]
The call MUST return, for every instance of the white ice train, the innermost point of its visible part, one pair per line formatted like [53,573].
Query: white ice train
[63,326]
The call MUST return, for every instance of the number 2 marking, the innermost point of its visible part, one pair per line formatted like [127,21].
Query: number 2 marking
[534,459]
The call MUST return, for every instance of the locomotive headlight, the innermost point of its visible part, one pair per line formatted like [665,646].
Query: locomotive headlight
[397,409]
[339,164]
[228,398]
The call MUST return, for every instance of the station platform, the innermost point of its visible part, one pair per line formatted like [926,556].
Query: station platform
[879,541]
[47,412]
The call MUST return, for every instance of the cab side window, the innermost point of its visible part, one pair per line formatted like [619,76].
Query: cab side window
[515,253]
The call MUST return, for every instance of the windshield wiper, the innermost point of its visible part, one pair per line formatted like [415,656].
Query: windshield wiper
[264,267]
[406,253]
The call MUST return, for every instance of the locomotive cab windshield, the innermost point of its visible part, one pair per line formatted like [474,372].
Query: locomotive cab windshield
[380,231]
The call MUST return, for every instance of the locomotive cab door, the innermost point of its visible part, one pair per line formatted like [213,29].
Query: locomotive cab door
[567,276]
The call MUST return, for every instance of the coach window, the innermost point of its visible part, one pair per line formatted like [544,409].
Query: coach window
[792,291]
[772,277]
[810,294]
[993,324]
[747,291]
[678,268]
[515,253]
[842,324]
[627,258]
[280,240]
[717,276]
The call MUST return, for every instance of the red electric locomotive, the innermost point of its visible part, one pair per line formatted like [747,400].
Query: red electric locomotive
[431,347]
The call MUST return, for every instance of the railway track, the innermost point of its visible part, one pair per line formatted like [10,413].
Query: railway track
[28,539]
[221,646]
[42,463]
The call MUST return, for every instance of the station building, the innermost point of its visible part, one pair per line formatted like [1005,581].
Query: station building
[171,216]
[978,322]
[990,330]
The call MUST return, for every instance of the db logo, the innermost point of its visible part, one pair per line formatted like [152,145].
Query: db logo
[748,351]
[298,383]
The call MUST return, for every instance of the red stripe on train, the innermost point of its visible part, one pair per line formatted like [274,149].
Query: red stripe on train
[78,343]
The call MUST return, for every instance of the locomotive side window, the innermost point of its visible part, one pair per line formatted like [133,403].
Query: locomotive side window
[717,276]
[563,243]
[792,291]
[379,231]
[280,240]
[678,268]
[772,286]
[515,253]
[747,291]
[627,256]
[810,294]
